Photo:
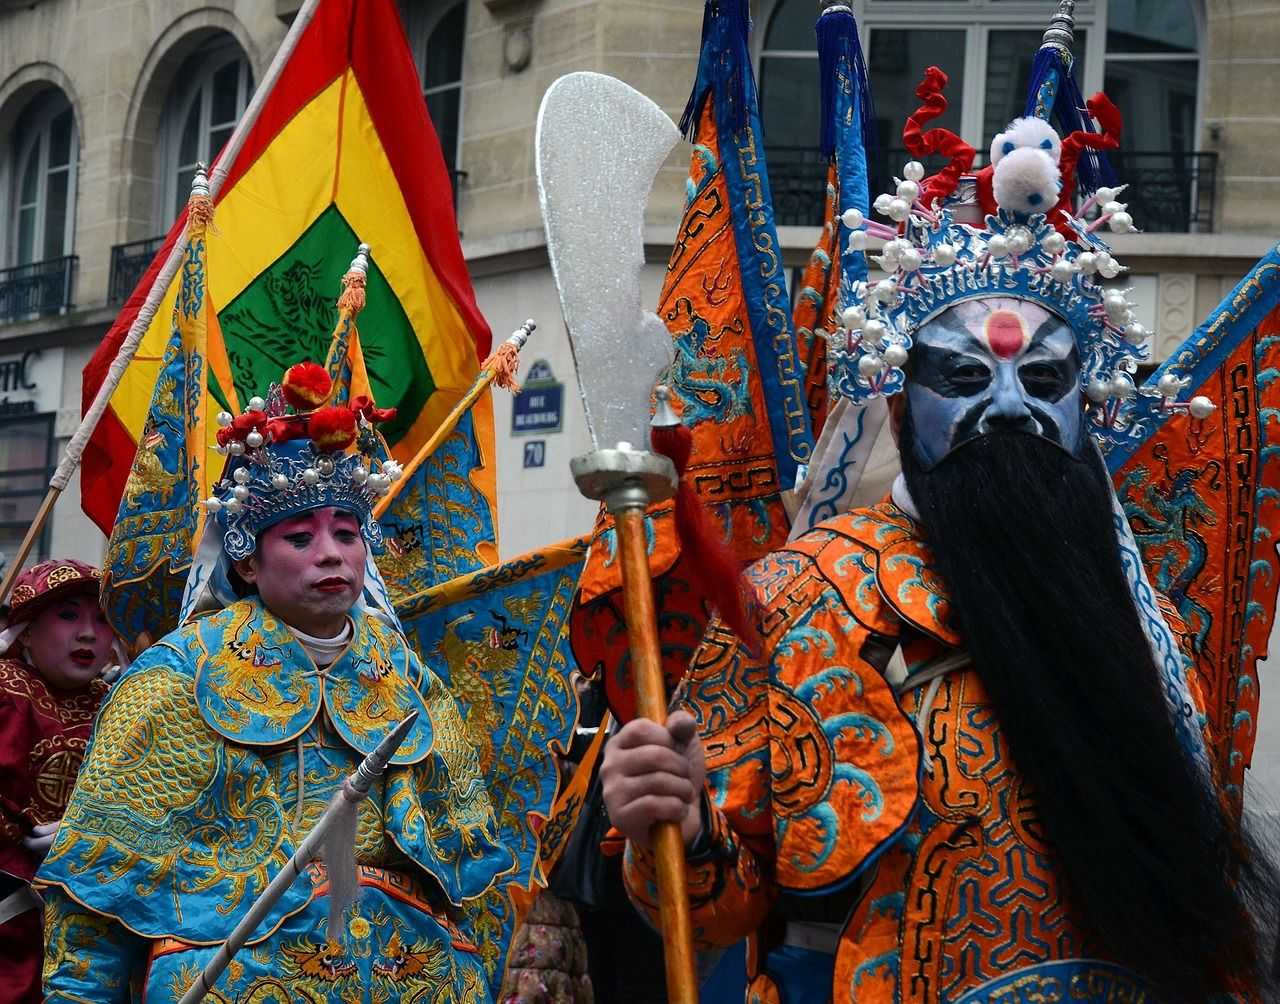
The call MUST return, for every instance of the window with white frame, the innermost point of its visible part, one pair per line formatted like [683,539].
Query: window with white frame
[43,180]
[207,99]
[1144,53]
[437,33]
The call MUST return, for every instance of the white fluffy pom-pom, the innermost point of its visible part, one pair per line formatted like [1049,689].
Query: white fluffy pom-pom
[1032,133]
[1026,181]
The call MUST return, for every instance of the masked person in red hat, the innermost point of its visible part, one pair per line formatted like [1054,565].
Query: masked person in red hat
[56,645]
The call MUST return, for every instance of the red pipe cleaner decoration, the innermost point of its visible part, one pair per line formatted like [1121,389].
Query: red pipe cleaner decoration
[1111,124]
[712,565]
[937,140]
[241,426]
[363,406]
[283,428]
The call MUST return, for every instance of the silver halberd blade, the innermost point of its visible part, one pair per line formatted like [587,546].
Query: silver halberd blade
[600,144]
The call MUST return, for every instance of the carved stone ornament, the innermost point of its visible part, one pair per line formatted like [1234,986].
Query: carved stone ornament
[506,8]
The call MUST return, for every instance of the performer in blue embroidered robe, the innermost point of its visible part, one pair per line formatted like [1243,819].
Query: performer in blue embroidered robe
[222,744]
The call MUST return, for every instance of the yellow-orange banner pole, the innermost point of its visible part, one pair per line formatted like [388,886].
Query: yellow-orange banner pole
[499,368]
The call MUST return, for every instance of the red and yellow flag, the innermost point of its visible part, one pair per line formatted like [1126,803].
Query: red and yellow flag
[341,152]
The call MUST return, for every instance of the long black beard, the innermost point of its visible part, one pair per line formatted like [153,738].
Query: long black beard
[1154,864]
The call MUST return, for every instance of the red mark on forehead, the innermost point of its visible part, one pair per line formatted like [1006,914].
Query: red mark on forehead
[1005,333]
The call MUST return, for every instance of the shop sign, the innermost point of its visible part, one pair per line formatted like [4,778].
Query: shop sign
[31,382]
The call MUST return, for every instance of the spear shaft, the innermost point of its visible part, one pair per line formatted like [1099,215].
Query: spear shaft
[354,790]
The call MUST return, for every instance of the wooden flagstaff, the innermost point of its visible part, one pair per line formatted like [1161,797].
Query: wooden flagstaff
[499,368]
[129,347]
[651,703]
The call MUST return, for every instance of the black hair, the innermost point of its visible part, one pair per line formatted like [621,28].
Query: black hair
[1155,865]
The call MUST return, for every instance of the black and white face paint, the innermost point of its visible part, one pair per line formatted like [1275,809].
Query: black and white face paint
[994,364]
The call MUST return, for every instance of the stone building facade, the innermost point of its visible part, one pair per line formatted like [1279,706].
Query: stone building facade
[105,105]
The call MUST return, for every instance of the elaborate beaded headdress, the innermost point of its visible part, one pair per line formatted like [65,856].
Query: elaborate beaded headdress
[1011,230]
[292,452]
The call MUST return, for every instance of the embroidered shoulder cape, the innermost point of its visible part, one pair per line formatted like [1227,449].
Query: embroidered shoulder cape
[826,779]
[175,825]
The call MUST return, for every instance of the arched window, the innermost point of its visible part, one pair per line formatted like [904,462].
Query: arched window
[437,33]
[209,95]
[43,172]
[1150,65]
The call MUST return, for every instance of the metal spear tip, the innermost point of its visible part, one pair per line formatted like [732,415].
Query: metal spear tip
[376,762]
[1061,31]
[200,181]
[664,416]
[360,263]
[522,333]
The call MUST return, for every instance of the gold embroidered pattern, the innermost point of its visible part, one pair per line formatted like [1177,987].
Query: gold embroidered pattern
[151,734]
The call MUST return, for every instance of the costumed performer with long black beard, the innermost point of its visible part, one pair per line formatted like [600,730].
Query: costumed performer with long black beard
[1029,814]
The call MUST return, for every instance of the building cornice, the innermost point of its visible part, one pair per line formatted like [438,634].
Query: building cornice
[1224,254]
[78,327]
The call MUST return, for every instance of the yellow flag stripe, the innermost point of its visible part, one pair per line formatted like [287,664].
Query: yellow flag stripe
[254,224]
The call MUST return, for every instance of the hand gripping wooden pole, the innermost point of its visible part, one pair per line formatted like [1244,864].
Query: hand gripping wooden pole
[651,703]
[627,480]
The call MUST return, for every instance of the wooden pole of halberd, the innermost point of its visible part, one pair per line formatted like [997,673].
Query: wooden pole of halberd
[651,703]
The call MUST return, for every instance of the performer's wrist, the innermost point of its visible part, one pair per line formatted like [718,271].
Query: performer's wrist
[696,830]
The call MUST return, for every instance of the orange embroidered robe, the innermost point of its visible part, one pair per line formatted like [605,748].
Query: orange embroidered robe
[825,781]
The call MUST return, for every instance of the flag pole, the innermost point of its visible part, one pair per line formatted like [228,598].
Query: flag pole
[129,347]
[500,367]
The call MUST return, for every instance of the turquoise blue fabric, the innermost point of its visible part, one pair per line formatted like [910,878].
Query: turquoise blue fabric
[392,951]
[502,646]
[174,829]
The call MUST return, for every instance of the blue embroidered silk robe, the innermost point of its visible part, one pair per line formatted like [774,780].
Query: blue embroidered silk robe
[210,760]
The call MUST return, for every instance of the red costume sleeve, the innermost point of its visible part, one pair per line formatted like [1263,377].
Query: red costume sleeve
[811,764]
[730,884]
[17,735]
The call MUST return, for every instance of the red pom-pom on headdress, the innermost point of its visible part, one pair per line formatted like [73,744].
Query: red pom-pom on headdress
[306,386]
[332,428]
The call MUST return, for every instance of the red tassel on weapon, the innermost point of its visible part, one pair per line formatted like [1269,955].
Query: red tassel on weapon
[712,565]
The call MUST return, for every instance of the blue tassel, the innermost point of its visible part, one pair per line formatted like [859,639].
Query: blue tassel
[838,44]
[724,68]
[1055,96]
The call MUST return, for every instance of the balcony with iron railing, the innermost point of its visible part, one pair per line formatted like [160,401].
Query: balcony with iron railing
[1169,192]
[128,264]
[36,289]
[129,261]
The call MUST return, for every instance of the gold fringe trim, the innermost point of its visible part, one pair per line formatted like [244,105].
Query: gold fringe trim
[352,297]
[504,363]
